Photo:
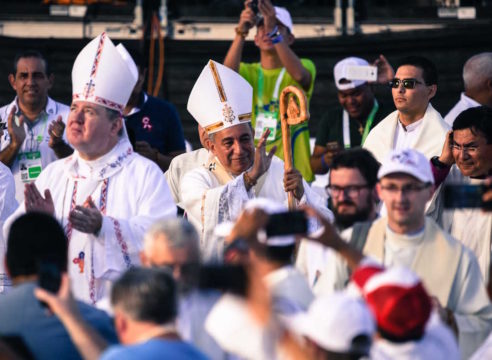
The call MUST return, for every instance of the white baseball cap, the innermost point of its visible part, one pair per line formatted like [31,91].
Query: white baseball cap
[220,98]
[407,161]
[340,73]
[283,16]
[333,321]
[100,75]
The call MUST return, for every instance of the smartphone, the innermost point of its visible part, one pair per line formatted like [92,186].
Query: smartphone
[226,278]
[362,72]
[287,223]
[254,6]
[465,196]
[49,277]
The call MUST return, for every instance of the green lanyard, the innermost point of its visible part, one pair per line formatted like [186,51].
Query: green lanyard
[370,120]
[259,99]
[40,136]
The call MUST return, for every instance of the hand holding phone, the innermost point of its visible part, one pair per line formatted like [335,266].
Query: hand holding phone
[466,196]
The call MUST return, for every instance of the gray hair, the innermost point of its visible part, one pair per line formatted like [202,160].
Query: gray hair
[179,233]
[146,294]
[477,69]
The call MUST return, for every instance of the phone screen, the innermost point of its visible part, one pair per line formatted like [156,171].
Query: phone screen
[464,196]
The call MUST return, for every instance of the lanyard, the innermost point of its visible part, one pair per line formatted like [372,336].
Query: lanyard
[40,136]
[276,90]
[369,121]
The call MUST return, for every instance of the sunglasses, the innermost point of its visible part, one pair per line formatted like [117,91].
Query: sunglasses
[407,83]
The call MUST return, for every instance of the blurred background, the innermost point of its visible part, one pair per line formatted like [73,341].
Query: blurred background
[176,39]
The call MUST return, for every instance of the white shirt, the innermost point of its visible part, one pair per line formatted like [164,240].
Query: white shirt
[464,103]
[131,193]
[37,138]
[406,136]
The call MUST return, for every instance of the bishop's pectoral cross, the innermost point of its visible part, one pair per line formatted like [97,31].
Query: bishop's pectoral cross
[88,88]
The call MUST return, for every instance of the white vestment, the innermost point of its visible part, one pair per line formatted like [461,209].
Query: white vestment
[8,204]
[207,202]
[131,193]
[473,227]
[464,103]
[429,141]
[179,166]
[465,296]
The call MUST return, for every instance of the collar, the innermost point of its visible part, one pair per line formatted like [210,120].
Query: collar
[141,102]
[50,108]
[104,166]
[412,127]
[469,100]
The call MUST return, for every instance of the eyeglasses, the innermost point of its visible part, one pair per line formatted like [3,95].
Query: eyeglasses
[350,191]
[405,190]
[407,83]
[469,149]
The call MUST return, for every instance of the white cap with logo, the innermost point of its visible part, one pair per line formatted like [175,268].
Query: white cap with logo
[101,76]
[283,16]
[407,161]
[220,98]
[340,73]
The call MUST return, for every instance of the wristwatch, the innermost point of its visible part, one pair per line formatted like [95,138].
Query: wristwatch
[438,164]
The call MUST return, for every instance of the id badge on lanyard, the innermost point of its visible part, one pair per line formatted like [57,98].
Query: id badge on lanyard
[267,119]
[30,165]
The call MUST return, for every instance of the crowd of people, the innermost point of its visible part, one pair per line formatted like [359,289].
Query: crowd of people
[118,244]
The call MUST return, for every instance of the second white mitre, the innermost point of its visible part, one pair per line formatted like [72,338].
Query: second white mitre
[101,76]
[220,98]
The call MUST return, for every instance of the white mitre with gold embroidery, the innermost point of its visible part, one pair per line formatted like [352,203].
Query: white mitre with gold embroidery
[101,76]
[220,98]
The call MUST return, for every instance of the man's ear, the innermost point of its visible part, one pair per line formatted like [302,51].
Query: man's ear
[378,190]
[290,38]
[432,91]
[117,126]
[12,81]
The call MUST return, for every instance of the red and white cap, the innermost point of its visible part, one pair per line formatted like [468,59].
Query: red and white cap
[407,161]
[333,321]
[220,98]
[399,302]
[340,73]
[100,75]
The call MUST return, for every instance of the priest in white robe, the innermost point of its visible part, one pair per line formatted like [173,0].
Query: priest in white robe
[220,102]
[415,123]
[105,195]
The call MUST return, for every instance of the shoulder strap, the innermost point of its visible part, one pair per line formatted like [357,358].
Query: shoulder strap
[360,230]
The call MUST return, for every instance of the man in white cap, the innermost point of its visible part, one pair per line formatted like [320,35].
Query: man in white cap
[278,67]
[349,125]
[407,238]
[104,195]
[415,123]
[220,102]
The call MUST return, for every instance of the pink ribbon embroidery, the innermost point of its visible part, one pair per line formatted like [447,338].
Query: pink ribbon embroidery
[146,123]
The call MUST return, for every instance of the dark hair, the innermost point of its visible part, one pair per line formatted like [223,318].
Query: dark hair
[31,54]
[476,119]
[146,294]
[137,57]
[360,159]
[280,254]
[359,349]
[34,238]
[429,70]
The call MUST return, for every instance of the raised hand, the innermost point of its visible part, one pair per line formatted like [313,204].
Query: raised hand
[385,70]
[262,159]
[55,130]
[247,19]
[34,201]
[268,11]
[144,149]
[17,132]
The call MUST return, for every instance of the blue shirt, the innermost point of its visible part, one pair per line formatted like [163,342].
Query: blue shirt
[156,348]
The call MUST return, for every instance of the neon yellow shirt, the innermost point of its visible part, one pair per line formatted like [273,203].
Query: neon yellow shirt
[269,103]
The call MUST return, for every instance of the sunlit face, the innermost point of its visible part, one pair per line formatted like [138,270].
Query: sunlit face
[90,130]
[357,102]
[412,101]
[30,82]
[405,198]
[352,200]
[234,148]
[471,152]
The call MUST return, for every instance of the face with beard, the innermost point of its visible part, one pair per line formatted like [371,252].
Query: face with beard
[350,198]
